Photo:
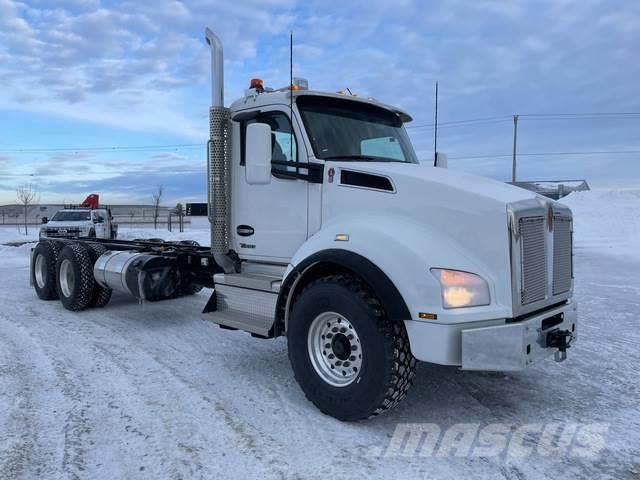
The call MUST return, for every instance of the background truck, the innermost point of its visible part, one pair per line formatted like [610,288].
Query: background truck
[326,229]
[89,219]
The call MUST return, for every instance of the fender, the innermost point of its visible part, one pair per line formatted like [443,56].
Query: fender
[382,287]
[390,251]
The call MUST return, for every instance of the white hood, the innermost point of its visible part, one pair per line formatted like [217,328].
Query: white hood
[455,219]
[441,178]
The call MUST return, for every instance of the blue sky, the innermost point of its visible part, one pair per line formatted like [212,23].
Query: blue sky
[91,73]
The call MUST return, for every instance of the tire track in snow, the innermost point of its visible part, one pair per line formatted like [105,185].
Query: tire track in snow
[112,349]
[31,425]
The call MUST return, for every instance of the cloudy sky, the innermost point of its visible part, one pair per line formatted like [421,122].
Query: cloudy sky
[112,97]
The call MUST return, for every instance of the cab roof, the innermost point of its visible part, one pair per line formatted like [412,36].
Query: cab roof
[253,99]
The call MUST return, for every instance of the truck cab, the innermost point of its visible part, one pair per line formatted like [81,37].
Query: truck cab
[331,232]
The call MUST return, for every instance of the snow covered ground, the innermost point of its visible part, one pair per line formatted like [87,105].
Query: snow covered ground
[151,391]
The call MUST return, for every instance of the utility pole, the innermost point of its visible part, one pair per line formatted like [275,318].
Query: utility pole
[435,131]
[515,145]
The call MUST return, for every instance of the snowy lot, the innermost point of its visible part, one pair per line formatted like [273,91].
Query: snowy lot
[151,391]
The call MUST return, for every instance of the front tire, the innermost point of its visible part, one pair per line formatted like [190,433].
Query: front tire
[349,358]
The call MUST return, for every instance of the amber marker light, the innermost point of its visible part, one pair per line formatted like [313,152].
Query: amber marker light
[257,83]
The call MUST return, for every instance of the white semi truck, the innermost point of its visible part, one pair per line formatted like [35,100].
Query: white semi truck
[326,229]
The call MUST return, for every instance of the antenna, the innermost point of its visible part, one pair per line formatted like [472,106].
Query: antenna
[435,130]
[291,94]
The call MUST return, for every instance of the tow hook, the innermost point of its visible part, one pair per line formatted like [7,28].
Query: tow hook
[560,339]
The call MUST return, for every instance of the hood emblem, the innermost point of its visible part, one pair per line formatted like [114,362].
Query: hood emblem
[550,217]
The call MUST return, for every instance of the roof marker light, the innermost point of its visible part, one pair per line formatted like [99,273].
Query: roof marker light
[257,83]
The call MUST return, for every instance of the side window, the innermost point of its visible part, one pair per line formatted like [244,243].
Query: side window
[284,146]
[387,147]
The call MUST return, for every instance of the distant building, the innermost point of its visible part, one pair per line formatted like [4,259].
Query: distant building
[14,213]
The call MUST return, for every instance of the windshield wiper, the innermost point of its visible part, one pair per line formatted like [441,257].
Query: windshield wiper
[360,158]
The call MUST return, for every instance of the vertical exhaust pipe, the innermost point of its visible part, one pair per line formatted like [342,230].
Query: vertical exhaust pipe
[217,68]
[219,159]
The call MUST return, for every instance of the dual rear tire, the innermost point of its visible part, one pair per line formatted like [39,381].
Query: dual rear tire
[44,268]
[64,270]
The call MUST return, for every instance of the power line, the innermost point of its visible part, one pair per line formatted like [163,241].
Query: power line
[461,122]
[113,148]
[600,118]
[534,116]
[588,114]
[534,154]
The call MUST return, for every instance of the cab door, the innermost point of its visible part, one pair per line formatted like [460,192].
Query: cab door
[99,224]
[269,222]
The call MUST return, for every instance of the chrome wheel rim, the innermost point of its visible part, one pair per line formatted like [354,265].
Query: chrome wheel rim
[67,277]
[40,271]
[334,349]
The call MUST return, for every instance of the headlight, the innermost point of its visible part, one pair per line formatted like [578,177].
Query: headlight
[461,289]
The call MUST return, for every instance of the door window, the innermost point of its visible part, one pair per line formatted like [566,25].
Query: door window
[284,146]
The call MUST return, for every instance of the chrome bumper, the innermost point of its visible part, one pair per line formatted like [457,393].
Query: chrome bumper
[515,346]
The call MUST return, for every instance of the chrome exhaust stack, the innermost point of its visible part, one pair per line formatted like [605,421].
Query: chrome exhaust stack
[219,159]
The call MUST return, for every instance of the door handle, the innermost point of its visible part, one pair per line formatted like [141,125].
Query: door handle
[245,230]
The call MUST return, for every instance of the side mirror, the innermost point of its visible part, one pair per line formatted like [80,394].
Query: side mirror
[258,154]
[44,220]
[442,160]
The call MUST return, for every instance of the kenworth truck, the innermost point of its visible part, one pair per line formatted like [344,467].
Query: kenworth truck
[327,230]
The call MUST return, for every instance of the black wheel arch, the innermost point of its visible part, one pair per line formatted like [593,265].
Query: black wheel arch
[335,261]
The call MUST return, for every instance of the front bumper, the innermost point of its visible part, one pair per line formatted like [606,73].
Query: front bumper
[517,345]
[493,345]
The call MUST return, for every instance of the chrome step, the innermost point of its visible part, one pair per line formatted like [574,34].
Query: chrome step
[246,301]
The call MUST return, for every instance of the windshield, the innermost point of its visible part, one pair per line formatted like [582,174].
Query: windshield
[71,216]
[349,130]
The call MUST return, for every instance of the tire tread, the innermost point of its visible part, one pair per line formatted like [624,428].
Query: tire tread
[403,363]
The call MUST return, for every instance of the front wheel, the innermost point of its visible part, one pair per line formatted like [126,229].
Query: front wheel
[350,360]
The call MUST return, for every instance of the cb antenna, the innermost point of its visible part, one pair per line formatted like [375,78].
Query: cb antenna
[435,130]
[291,94]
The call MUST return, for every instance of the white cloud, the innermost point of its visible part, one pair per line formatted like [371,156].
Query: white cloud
[143,66]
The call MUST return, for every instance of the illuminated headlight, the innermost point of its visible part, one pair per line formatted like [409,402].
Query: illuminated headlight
[461,289]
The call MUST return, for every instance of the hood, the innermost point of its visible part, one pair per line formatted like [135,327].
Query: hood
[448,216]
[437,179]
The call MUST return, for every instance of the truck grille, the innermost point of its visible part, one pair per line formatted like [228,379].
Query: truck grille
[533,281]
[70,233]
[562,255]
